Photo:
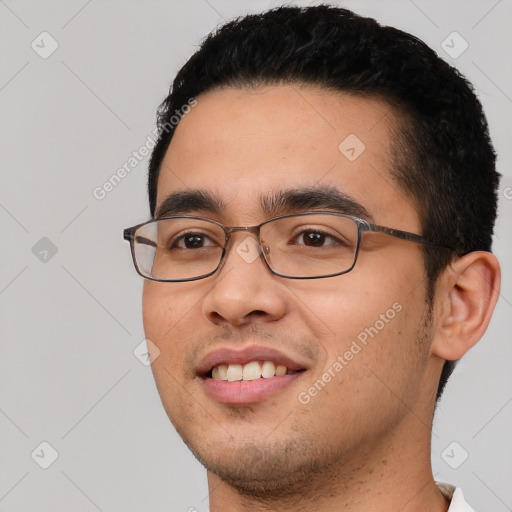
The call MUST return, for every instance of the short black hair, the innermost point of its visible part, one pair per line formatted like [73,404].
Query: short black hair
[444,158]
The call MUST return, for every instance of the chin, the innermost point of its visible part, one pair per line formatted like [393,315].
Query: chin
[264,470]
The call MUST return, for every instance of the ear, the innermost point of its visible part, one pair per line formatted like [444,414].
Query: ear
[466,294]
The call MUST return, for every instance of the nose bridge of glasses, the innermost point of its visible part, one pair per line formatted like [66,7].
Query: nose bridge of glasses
[247,229]
[255,230]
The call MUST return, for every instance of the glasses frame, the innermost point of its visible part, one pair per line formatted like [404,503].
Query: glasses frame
[363,226]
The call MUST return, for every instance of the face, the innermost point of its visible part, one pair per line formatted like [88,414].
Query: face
[354,346]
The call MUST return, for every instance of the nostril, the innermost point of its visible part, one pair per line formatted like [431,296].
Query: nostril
[215,317]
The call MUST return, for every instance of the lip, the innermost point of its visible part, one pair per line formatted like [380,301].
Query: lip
[244,355]
[247,392]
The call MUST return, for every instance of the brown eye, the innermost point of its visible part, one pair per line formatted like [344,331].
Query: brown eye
[313,239]
[192,241]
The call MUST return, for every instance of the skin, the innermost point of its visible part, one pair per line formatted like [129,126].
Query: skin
[363,442]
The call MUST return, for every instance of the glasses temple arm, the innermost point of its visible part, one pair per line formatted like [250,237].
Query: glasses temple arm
[403,235]
[128,235]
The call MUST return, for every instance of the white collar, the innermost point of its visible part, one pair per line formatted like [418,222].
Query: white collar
[458,503]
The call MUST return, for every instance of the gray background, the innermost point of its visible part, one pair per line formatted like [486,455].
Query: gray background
[70,321]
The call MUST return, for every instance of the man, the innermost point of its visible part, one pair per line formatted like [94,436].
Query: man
[323,194]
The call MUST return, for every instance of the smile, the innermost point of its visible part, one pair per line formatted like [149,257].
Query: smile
[250,371]
[236,375]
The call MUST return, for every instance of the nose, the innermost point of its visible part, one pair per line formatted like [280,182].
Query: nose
[244,290]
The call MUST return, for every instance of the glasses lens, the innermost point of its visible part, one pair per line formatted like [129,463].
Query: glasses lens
[312,245]
[178,249]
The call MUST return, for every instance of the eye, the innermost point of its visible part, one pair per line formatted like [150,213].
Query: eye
[191,241]
[315,238]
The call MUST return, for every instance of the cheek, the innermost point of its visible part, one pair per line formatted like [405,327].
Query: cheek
[370,323]
[165,308]
[165,317]
[342,307]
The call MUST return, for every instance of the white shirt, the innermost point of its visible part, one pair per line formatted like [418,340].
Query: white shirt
[458,503]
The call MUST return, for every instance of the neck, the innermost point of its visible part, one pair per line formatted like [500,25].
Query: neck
[392,474]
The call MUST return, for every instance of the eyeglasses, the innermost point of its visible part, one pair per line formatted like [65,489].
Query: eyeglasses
[306,245]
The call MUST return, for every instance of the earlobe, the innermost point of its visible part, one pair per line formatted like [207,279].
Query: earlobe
[466,294]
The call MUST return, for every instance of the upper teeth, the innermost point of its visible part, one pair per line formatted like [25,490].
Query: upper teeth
[250,371]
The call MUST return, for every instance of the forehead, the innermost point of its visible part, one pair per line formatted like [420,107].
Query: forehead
[242,144]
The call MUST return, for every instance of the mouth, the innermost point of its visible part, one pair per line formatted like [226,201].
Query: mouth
[247,376]
[250,371]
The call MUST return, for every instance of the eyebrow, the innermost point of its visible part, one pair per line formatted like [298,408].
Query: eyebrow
[275,203]
[313,198]
[188,201]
